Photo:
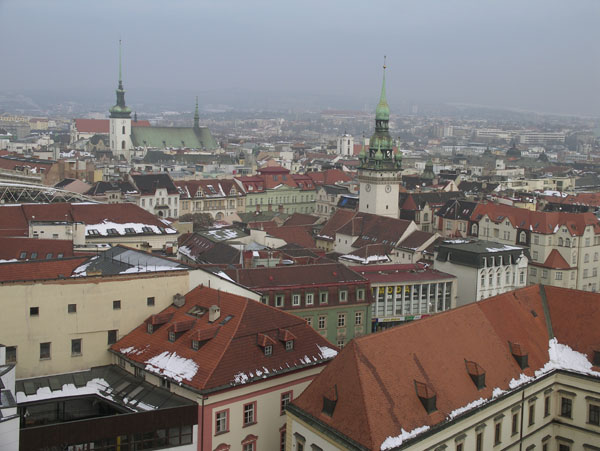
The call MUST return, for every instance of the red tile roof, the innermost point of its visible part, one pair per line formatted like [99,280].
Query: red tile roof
[591,199]
[300,235]
[295,275]
[207,188]
[39,269]
[554,261]
[300,219]
[329,177]
[339,218]
[537,221]
[13,248]
[231,352]
[374,375]
[371,229]
[93,126]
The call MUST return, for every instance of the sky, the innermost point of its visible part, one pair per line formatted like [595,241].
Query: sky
[534,55]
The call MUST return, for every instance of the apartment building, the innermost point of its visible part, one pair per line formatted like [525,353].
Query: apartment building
[564,247]
[516,374]
[241,361]
[484,268]
[330,297]
[403,293]
[60,315]
[157,194]
[223,199]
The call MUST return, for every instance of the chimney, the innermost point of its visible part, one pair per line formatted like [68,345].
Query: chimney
[214,313]
[178,300]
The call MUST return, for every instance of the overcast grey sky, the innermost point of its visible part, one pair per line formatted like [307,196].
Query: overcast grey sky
[539,55]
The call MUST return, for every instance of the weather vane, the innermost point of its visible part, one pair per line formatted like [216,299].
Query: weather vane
[384,57]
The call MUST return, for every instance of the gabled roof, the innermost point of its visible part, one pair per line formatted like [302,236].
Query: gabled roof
[374,376]
[100,188]
[329,177]
[93,126]
[370,253]
[457,209]
[416,240]
[372,229]
[208,188]
[230,355]
[555,261]
[300,235]
[149,183]
[173,137]
[546,222]
[40,269]
[300,219]
[401,273]
[337,220]
[14,248]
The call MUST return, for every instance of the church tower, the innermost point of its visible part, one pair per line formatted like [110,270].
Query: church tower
[379,170]
[120,122]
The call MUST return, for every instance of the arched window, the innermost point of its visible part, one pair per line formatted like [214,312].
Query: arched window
[586,258]
[568,242]
[474,229]
[560,241]
[123,144]
[522,237]
[123,129]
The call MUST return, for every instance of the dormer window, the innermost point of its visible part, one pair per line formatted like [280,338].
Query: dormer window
[289,345]
[195,345]
[172,336]
[268,350]
[147,229]
[93,232]
[112,231]
[129,230]
[149,328]
[22,255]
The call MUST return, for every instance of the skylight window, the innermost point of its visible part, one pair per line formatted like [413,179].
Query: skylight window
[93,232]
[129,230]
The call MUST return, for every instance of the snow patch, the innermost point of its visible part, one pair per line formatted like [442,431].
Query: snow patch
[173,366]
[393,442]
[326,352]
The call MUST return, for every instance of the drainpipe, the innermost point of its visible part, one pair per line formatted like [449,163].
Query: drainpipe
[202,427]
[522,413]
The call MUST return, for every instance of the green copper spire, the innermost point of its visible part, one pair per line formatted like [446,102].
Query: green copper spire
[120,110]
[363,153]
[196,115]
[382,112]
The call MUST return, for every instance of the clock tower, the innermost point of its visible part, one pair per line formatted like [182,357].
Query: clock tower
[120,122]
[379,170]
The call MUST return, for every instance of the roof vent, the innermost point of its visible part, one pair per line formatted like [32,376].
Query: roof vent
[596,360]
[477,374]
[178,300]
[426,395]
[520,355]
[214,313]
[329,401]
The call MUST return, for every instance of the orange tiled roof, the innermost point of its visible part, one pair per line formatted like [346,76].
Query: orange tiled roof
[230,353]
[39,269]
[374,376]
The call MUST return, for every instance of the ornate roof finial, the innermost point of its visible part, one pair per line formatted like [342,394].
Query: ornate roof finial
[120,77]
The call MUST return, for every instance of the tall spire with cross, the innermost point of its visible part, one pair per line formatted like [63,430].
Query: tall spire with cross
[120,110]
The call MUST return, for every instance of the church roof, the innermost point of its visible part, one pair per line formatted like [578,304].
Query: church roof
[177,137]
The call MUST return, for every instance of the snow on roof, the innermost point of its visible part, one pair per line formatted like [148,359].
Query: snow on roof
[172,366]
[107,227]
[561,357]
[506,247]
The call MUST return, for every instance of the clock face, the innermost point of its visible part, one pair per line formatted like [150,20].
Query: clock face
[367,187]
[388,188]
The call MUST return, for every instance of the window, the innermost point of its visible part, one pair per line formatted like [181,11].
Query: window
[341,320]
[563,447]
[289,345]
[265,299]
[340,343]
[286,398]
[343,295]
[150,301]
[310,298]
[308,320]
[138,372]
[250,446]
[282,434]
[515,424]
[165,383]
[44,351]
[566,407]
[279,300]
[323,297]
[112,336]
[116,305]
[34,311]
[521,277]
[594,414]
[49,254]
[483,280]
[558,275]
[322,322]
[250,413]
[11,354]
[535,255]
[533,272]
[268,350]
[72,308]
[531,414]
[222,422]
[497,433]
[295,300]
[76,346]
[358,318]
[360,294]
[544,273]
[536,239]
[546,406]
[33,255]
[586,258]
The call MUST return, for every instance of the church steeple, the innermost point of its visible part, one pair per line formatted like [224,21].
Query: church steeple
[382,113]
[196,115]
[120,110]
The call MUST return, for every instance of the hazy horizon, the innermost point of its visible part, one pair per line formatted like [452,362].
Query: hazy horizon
[536,55]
